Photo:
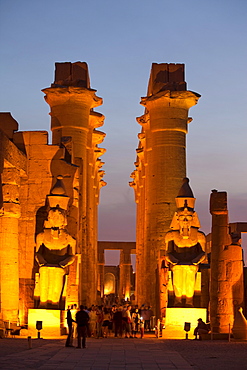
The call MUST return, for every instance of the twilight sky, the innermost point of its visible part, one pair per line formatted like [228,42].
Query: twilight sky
[119,40]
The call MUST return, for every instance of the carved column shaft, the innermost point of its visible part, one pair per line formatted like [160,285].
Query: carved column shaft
[71,111]
[125,277]
[101,272]
[166,167]
[226,286]
[9,246]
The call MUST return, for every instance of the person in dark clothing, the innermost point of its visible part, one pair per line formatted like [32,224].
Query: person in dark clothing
[81,319]
[69,341]
[202,328]
[118,322]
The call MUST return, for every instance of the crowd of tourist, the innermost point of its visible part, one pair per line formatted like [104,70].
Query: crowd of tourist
[103,321]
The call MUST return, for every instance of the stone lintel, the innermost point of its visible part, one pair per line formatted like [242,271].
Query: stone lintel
[238,227]
[111,245]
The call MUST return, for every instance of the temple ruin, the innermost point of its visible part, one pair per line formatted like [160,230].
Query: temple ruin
[50,256]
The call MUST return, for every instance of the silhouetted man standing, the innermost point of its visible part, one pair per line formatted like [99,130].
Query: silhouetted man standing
[81,319]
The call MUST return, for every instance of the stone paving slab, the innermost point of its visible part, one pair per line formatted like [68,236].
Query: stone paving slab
[114,354]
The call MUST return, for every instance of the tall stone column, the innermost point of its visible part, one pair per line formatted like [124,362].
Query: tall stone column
[95,137]
[125,271]
[101,272]
[226,286]
[72,101]
[166,111]
[9,252]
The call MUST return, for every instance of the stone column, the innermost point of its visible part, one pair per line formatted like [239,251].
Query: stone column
[166,168]
[95,137]
[101,272]
[72,102]
[226,287]
[9,248]
[125,271]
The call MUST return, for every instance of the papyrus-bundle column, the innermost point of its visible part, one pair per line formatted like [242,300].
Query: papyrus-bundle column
[72,102]
[166,111]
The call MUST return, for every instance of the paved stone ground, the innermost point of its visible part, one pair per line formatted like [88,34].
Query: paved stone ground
[101,354]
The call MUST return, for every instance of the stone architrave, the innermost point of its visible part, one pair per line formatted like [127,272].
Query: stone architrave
[55,251]
[160,168]
[226,283]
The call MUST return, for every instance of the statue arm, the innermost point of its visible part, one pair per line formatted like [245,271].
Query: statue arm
[39,255]
[198,259]
[169,249]
[70,257]
[202,242]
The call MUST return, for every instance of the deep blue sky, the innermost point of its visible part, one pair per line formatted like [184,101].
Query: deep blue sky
[119,40]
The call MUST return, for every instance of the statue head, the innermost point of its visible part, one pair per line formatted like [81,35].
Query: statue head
[56,219]
[185,217]
[185,221]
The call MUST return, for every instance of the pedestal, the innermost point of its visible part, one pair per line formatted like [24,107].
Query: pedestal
[51,322]
[177,316]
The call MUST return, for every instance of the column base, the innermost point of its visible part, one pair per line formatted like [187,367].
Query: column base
[175,319]
[52,325]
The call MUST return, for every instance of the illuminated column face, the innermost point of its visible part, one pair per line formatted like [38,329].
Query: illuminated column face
[226,285]
[163,140]
[125,271]
[72,102]
[9,252]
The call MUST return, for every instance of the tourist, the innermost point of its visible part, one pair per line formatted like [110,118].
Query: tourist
[69,341]
[93,321]
[82,319]
[106,322]
[141,327]
[100,318]
[118,322]
[202,328]
[135,320]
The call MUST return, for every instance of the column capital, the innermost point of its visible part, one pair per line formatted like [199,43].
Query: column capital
[102,183]
[96,119]
[171,99]
[98,137]
[98,152]
[144,120]
[70,94]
